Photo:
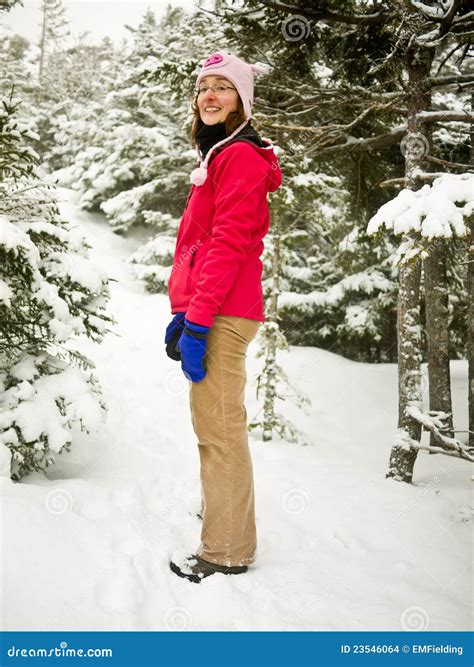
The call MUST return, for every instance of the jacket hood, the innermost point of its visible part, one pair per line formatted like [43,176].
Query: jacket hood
[264,148]
[274,175]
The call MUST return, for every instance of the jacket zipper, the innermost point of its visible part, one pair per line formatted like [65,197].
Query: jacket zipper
[189,197]
[193,255]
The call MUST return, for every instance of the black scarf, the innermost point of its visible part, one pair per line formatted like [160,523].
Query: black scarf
[209,135]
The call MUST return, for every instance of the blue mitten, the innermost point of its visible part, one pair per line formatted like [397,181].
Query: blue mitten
[172,335]
[192,346]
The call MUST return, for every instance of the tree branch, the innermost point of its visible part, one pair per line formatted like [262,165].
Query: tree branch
[445,116]
[448,19]
[327,16]
[434,423]
[446,163]
[449,80]
[420,175]
[355,144]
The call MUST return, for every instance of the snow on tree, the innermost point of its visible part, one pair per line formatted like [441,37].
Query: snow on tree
[13,71]
[273,384]
[152,262]
[337,291]
[49,294]
[422,217]
[433,211]
[134,162]
[68,103]
[379,93]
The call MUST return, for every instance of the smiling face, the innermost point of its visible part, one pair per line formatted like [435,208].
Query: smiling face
[215,108]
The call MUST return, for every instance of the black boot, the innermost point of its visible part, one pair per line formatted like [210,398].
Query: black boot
[199,568]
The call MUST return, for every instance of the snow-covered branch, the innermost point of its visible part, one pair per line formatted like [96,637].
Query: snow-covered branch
[445,116]
[449,80]
[431,13]
[434,422]
[356,144]
[431,211]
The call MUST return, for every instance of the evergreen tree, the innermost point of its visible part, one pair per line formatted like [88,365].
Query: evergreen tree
[345,120]
[152,262]
[135,161]
[65,114]
[272,381]
[49,293]
[13,63]
[414,215]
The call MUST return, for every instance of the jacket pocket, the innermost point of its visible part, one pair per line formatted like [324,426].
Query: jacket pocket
[196,261]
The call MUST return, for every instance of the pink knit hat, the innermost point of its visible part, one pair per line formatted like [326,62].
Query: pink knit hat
[241,74]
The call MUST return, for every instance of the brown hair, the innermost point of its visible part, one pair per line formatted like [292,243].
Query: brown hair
[232,122]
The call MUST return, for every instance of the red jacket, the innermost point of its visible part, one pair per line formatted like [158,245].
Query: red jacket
[217,268]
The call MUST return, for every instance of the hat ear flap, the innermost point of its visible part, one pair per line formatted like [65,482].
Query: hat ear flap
[260,69]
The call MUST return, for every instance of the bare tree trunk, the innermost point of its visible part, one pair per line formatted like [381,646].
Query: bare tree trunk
[470,311]
[437,329]
[470,334]
[403,455]
[437,333]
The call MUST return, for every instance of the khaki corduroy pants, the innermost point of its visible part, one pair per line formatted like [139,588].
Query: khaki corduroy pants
[219,420]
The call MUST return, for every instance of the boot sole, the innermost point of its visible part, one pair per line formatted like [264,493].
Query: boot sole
[196,578]
[192,577]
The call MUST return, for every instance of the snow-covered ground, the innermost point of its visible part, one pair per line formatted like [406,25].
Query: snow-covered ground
[86,547]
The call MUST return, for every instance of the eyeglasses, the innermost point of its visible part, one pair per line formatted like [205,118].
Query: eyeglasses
[218,90]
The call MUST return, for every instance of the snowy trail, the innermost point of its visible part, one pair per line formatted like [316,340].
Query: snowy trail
[340,547]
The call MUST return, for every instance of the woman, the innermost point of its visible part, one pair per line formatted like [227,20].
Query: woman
[216,297]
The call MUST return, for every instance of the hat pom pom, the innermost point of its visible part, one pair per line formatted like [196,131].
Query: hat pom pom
[198,176]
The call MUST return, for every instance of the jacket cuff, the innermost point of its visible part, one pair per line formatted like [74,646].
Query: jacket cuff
[199,318]
[200,328]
